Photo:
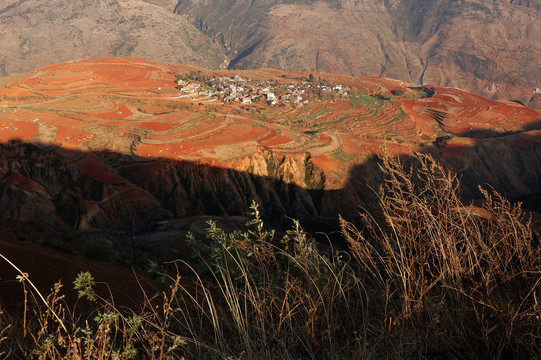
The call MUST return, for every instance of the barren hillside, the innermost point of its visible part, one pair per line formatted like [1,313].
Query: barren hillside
[35,34]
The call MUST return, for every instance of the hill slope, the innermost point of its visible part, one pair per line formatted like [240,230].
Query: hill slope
[35,34]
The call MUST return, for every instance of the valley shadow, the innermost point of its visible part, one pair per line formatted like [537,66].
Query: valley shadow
[508,164]
[243,54]
[146,206]
[490,134]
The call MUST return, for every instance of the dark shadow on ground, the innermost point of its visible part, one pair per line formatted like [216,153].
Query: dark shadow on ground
[102,204]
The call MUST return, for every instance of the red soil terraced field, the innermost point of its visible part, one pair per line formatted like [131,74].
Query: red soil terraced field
[133,106]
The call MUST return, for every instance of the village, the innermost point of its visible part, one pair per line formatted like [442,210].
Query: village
[237,89]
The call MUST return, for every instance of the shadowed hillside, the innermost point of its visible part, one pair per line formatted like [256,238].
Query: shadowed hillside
[475,269]
[155,202]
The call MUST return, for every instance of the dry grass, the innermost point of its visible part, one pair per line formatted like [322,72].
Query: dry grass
[457,284]
[430,280]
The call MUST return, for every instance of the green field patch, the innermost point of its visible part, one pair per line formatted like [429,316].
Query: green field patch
[358,92]
[341,156]
[344,118]
[341,120]
[420,92]
[361,100]
[417,95]
[207,117]
[317,114]
[370,100]
[399,116]
[365,100]
[372,113]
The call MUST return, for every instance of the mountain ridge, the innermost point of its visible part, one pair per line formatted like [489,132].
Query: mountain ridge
[78,29]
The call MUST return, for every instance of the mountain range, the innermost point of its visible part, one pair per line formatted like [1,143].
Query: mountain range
[489,47]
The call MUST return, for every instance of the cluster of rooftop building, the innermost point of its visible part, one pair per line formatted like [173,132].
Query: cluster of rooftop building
[246,91]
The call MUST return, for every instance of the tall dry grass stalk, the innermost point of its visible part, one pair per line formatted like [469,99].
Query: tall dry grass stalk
[90,329]
[262,298]
[458,284]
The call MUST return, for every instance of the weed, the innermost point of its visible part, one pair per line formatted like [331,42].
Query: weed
[83,284]
[441,274]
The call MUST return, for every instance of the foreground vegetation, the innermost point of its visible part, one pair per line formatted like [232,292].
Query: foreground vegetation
[426,277]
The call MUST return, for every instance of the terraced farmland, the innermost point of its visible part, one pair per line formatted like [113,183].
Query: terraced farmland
[133,107]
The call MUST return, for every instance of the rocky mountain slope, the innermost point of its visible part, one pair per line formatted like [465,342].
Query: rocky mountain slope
[117,144]
[488,47]
[34,34]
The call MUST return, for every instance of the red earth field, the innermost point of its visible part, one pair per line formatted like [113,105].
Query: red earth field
[132,106]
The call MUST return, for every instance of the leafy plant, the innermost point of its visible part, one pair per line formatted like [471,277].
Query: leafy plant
[83,284]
